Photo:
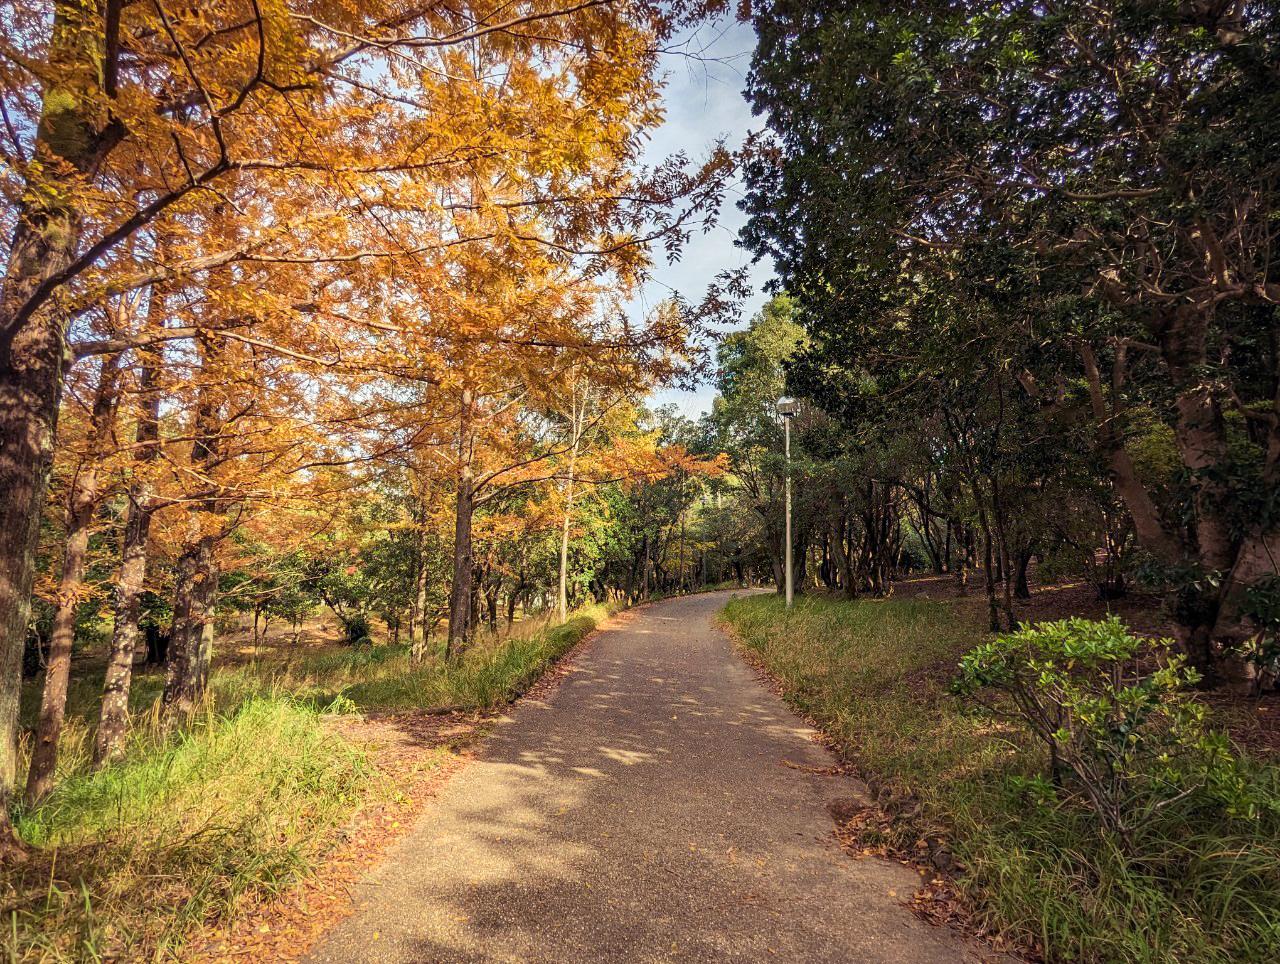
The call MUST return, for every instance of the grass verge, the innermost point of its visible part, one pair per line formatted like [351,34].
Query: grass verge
[874,674]
[129,861]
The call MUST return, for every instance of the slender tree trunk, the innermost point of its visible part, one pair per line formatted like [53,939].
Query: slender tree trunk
[1005,560]
[844,555]
[644,581]
[418,628]
[460,612]
[131,578]
[82,504]
[576,430]
[491,604]
[779,573]
[988,574]
[474,616]
[196,593]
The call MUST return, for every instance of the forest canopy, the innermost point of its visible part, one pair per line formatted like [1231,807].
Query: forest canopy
[1037,242]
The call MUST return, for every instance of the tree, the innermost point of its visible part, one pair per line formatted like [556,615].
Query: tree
[284,179]
[82,502]
[1101,176]
[751,378]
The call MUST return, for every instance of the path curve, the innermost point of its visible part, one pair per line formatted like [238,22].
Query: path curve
[659,805]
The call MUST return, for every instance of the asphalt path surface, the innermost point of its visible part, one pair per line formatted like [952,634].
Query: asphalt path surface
[660,804]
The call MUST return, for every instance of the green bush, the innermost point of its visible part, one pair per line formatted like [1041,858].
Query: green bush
[1196,884]
[1128,743]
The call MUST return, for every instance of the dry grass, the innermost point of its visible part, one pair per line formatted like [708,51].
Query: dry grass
[126,863]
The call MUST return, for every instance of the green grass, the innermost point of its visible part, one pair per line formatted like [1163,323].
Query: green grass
[127,861]
[874,674]
[491,672]
[132,857]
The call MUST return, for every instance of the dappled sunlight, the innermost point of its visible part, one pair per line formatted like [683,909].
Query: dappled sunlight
[625,757]
[647,812]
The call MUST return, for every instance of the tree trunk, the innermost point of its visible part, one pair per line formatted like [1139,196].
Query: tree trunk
[645,570]
[477,581]
[1004,559]
[491,604]
[1022,590]
[131,577]
[460,591]
[130,582]
[196,592]
[848,564]
[30,388]
[82,503]
[47,234]
[577,418]
[418,628]
[988,576]
[192,644]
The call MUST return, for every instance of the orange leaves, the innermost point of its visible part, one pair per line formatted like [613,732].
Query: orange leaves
[678,458]
[332,221]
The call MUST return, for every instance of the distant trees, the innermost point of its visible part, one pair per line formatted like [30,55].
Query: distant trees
[1044,235]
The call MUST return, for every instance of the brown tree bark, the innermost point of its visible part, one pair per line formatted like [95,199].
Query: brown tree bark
[131,578]
[1021,588]
[196,586]
[460,611]
[576,419]
[191,647]
[71,141]
[418,631]
[82,504]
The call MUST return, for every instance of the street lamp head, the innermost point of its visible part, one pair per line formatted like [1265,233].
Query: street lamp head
[788,407]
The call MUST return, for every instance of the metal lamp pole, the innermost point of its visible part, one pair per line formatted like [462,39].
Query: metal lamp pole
[787,409]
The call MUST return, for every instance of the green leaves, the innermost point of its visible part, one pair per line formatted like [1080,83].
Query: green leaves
[1125,737]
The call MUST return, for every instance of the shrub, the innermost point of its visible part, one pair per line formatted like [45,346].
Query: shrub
[1128,743]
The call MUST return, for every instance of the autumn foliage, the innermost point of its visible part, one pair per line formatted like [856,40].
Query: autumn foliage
[299,297]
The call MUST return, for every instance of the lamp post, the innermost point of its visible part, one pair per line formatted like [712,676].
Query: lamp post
[787,409]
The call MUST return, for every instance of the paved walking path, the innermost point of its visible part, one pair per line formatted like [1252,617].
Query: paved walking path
[644,812]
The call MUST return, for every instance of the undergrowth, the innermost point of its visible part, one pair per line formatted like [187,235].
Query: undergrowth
[874,675]
[131,857]
[126,862]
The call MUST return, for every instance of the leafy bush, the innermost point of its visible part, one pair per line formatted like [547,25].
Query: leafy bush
[1129,743]
[1194,885]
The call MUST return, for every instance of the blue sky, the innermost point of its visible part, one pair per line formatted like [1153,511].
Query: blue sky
[703,98]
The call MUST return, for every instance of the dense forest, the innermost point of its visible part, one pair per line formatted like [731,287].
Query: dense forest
[1029,256]
[324,391]
[1031,249]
